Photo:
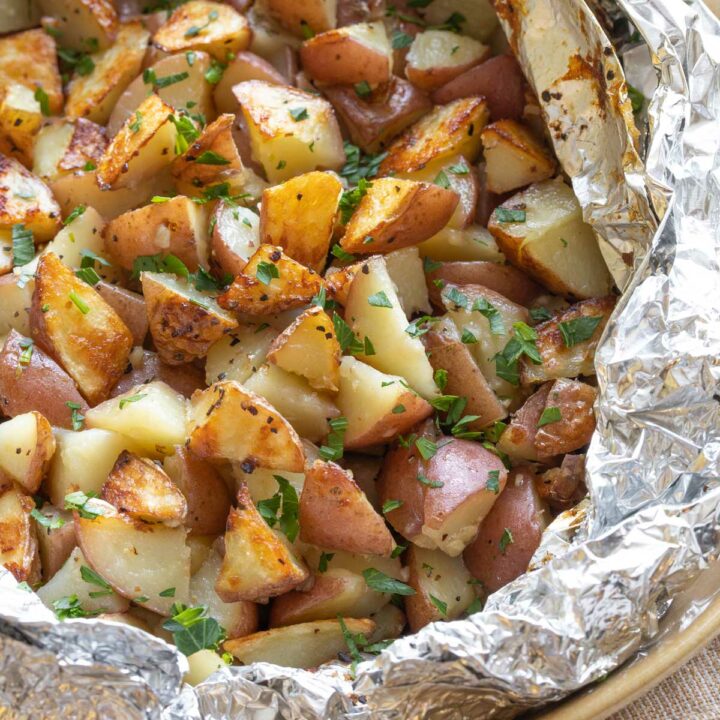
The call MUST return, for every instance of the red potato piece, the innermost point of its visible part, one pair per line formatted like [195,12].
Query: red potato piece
[504,279]
[245,66]
[18,542]
[355,11]
[41,382]
[185,379]
[487,200]
[510,533]
[55,544]
[129,306]
[574,402]
[518,438]
[235,237]
[375,120]
[207,496]
[335,514]
[499,80]
[563,487]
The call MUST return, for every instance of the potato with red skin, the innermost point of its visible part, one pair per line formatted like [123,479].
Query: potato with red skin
[563,487]
[129,305]
[509,534]
[518,438]
[37,382]
[18,541]
[373,121]
[185,379]
[499,80]
[335,514]
[245,66]
[55,543]
[207,496]
[487,200]
[574,402]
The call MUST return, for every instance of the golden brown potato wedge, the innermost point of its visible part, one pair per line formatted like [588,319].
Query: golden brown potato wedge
[42,71]
[271,282]
[378,406]
[542,232]
[138,487]
[229,422]
[446,351]
[235,237]
[93,96]
[462,244]
[26,448]
[146,366]
[177,227]
[30,379]
[338,281]
[397,213]
[510,533]
[26,200]
[518,438]
[568,420]
[18,543]
[349,55]
[563,487]
[78,328]
[245,66]
[20,122]
[299,215]
[51,143]
[318,15]
[153,415]
[83,24]
[564,355]
[306,645]
[375,119]
[309,348]
[438,56]
[239,354]
[237,618]
[137,559]
[56,539]
[130,306]
[207,496]
[448,130]
[291,131]
[209,158]
[258,562]
[184,322]
[143,146]
[87,145]
[212,27]
[443,587]
[336,515]
[499,80]
[443,499]
[514,157]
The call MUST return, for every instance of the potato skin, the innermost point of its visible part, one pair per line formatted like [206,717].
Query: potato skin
[18,542]
[563,487]
[39,383]
[184,379]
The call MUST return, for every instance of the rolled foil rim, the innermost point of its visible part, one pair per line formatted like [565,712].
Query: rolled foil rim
[601,585]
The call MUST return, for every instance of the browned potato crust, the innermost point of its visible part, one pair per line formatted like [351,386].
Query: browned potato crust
[318,15]
[18,543]
[140,488]
[87,145]
[37,382]
[295,285]
[78,328]
[335,514]
[518,438]
[27,445]
[563,487]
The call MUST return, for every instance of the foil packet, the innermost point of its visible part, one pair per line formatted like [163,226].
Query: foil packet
[605,575]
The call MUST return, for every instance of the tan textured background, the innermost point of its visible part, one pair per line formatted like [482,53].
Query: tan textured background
[692,693]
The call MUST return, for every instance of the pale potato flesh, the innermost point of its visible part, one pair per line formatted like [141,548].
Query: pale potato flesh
[239,353]
[26,448]
[405,269]
[18,542]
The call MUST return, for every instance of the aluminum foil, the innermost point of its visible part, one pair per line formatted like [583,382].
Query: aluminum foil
[605,575]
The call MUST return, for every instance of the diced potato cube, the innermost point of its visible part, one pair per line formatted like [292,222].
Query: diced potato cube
[318,15]
[83,24]
[20,121]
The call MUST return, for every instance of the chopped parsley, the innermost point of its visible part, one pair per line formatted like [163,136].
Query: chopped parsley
[358,165]
[79,303]
[350,199]
[285,501]
[549,415]
[211,158]
[380,582]
[42,97]
[363,89]
[266,271]
[193,630]
[131,399]
[325,558]
[47,521]
[23,245]
[379,299]
[298,113]
[493,481]
[76,417]
[579,329]
[333,450]
[508,215]
[390,505]
[505,539]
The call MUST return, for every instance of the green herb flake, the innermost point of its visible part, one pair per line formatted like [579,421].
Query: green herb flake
[427,482]
[79,303]
[540,314]
[398,409]
[441,179]
[298,113]
[266,271]
[342,255]
[23,245]
[325,558]
[285,501]
[390,505]
[489,311]
[42,97]
[92,578]
[505,539]
[363,89]
[350,200]
[136,124]
[193,630]
[132,399]
[637,99]
[439,604]
[467,337]
[68,607]
[211,158]
[47,521]
[78,501]
[426,448]
[441,378]
[359,166]
[379,299]
[579,329]
[398,550]
[76,213]
[508,215]
[549,415]
[76,417]
[306,30]
[333,450]
[400,40]
[493,481]
[380,582]
[346,337]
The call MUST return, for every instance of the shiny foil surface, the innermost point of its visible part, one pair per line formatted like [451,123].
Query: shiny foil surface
[606,573]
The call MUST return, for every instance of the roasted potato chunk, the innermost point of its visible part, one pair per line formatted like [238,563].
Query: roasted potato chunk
[375,119]
[452,129]
[137,559]
[245,66]
[306,645]
[335,514]
[291,131]
[78,328]
[93,96]
[83,24]
[143,146]
[563,487]
[299,215]
[130,306]
[378,406]
[510,533]
[542,232]
[318,15]
[467,244]
[229,422]
[26,448]
[407,273]
[18,543]
[271,282]
[26,200]
[138,487]
[396,213]
[258,562]
[349,55]
[56,540]
[239,354]
[235,237]
[518,438]
[177,227]
[212,27]
[147,367]
[477,18]
[29,379]
[20,122]
[308,347]
[184,322]
[563,352]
